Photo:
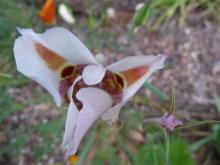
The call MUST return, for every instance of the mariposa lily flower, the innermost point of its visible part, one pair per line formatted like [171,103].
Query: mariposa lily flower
[64,66]
[47,12]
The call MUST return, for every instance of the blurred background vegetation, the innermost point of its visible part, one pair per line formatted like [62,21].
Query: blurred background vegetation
[31,127]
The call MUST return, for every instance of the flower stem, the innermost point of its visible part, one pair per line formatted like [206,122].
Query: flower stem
[173,101]
[167,140]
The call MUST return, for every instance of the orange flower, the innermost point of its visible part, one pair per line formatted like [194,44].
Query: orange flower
[72,159]
[47,12]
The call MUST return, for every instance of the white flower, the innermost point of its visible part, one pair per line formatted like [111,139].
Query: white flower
[64,66]
[110,12]
[66,14]
[139,6]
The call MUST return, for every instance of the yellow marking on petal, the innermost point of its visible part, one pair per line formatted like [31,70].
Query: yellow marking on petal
[52,59]
[72,159]
[47,13]
[66,71]
[134,74]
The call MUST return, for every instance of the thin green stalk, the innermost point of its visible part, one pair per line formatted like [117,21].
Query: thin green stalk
[167,140]
[173,101]
[195,146]
[155,91]
[5,75]
[197,123]
[86,148]
[127,152]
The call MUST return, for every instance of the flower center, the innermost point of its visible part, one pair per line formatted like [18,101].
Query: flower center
[111,83]
[68,75]
[67,72]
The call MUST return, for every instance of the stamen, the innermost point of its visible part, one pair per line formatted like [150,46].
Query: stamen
[77,87]
[111,83]
[68,75]
[119,80]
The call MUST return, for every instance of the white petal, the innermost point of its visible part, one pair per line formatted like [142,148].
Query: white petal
[93,74]
[95,103]
[155,64]
[70,119]
[70,125]
[64,43]
[112,114]
[131,62]
[29,63]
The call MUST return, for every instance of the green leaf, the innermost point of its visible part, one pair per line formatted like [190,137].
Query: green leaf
[9,106]
[217,103]
[86,148]
[167,144]
[156,91]
[15,145]
[197,123]
[141,15]
[12,14]
[151,153]
[46,131]
[216,134]
[4,75]
[126,150]
[52,127]
[5,78]
[173,100]
[195,146]
[92,22]
[180,152]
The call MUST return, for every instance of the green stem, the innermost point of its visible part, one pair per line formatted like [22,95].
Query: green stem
[173,101]
[197,123]
[127,152]
[195,146]
[86,148]
[155,91]
[167,139]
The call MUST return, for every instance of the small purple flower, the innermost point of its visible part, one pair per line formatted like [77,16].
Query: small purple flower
[169,122]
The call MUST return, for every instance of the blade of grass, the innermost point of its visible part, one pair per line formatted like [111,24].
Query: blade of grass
[5,78]
[127,152]
[173,100]
[195,146]
[86,148]
[141,15]
[156,91]
[197,123]
[217,103]
[167,144]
